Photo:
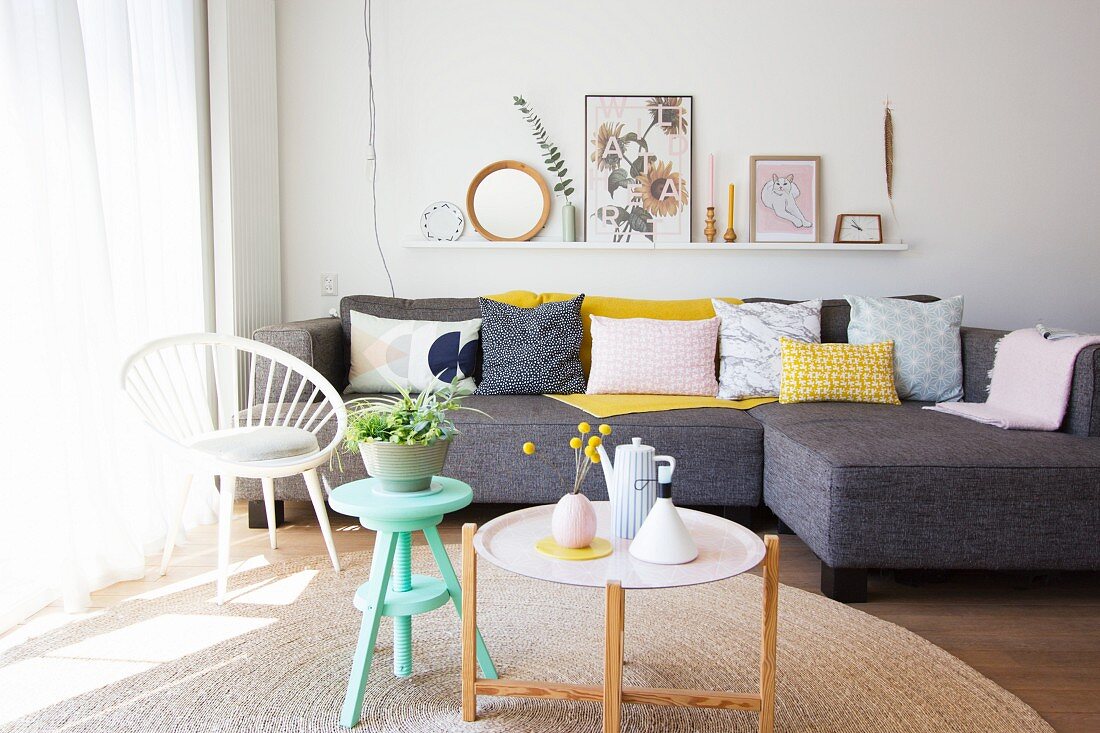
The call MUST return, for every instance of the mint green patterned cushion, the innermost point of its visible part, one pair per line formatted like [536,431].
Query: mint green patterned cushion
[927,348]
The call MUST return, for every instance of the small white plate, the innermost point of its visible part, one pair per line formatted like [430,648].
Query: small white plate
[442,222]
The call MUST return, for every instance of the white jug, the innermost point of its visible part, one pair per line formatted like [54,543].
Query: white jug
[632,483]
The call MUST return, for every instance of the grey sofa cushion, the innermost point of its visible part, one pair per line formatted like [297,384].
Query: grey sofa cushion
[836,312]
[901,487]
[418,309]
[718,452]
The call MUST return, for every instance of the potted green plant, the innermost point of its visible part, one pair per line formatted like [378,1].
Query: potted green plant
[404,438]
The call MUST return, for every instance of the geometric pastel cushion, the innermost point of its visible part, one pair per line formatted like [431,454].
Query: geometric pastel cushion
[531,350]
[927,345]
[653,356]
[414,355]
[748,344]
[837,372]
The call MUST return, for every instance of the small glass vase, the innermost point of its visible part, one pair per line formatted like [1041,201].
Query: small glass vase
[573,523]
[568,223]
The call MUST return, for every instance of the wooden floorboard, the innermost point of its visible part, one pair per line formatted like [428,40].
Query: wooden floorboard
[1037,637]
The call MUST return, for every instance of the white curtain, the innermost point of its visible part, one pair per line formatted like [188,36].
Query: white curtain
[101,234]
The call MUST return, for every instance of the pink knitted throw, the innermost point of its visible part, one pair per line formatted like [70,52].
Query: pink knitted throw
[1030,383]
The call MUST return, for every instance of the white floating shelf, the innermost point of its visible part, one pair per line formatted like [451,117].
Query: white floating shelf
[540,244]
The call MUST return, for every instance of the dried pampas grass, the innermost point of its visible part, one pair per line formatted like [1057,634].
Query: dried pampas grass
[888,138]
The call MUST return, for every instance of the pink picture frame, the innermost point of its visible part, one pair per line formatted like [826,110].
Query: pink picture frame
[786,198]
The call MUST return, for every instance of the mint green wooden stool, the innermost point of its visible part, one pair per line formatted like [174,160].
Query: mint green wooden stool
[392,590]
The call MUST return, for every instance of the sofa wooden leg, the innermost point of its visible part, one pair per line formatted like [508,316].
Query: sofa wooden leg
[738,514]
[784,528]
[257,516]
[847,585]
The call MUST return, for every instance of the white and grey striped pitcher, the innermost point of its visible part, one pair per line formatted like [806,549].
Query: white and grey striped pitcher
[632,484]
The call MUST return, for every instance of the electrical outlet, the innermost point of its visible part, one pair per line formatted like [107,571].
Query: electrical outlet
[329,283]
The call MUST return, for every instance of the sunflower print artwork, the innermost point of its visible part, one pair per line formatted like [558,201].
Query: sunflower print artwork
[661,191]
[607,146]
[668,115]
[639,167]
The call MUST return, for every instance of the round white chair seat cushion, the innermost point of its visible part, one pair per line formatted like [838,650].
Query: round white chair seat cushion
[257,443]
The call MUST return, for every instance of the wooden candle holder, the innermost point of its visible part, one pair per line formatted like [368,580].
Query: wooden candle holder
[710,229]
[730,235]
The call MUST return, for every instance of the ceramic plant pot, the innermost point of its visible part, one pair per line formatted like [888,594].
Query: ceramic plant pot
[574,521]
[404,468]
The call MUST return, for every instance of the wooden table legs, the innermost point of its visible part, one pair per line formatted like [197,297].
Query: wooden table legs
[613,693]
[613,657]
[768,633]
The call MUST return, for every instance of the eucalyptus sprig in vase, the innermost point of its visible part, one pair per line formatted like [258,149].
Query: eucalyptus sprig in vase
[573,523]
[551,157]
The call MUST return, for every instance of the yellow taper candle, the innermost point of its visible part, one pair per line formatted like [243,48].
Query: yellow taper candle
[731,206]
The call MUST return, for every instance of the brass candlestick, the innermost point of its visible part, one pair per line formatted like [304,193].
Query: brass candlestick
[710,230]
[730,235]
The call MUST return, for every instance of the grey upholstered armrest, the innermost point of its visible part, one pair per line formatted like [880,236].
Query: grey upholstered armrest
[1083,412]
[318,342]
[979,346]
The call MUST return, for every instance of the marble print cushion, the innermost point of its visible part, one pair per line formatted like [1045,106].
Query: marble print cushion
[650,356]
[927,343]
[748,344]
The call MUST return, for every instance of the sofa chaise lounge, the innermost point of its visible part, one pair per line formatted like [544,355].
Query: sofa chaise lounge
[865,486]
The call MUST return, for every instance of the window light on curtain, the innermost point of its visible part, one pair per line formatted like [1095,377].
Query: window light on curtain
[101,239]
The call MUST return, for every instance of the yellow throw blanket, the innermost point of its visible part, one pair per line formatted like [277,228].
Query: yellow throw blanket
[612,405]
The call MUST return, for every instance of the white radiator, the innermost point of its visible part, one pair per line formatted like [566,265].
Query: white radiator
[244,165]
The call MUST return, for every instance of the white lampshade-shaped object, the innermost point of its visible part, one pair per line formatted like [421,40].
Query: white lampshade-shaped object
[663,539]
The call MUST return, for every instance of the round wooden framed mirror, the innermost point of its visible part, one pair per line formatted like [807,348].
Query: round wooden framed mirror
[508,201]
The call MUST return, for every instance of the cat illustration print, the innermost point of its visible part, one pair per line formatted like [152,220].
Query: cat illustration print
[779,195]
[786,198]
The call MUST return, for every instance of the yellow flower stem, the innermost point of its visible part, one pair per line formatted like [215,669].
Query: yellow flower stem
[561,479]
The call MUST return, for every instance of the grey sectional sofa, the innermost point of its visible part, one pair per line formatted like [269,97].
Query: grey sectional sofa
[865,486]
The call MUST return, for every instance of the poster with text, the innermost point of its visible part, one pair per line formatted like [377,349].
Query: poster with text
[638,172]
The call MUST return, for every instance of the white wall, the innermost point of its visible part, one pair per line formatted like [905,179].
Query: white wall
[996,122]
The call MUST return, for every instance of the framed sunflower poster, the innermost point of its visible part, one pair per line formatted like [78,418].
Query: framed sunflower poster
[638,174]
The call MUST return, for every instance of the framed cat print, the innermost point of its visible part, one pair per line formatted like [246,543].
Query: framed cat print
[638,169]
[786,198]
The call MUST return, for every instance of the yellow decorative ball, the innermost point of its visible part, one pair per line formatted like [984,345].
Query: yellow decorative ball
[584,428]
[605,429]
[575,443]
[529,448]
[595,457]
[595,441]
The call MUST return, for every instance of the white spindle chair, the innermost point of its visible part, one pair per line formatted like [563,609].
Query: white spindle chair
[186,390]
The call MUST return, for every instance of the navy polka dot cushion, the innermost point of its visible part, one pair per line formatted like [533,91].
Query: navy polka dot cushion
[531,350]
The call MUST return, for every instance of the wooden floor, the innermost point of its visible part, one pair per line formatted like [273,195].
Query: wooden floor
[1037,637]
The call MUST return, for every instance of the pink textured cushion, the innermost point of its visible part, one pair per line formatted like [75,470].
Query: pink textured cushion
[648,356]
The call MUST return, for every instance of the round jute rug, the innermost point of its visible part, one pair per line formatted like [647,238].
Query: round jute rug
[277,659]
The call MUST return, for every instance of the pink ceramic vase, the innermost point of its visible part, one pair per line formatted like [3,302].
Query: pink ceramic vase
[574,521]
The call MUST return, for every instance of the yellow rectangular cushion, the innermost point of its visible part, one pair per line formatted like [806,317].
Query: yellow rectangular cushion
[695,309]
[837,372]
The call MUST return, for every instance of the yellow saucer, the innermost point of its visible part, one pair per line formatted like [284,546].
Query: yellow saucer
[599,548]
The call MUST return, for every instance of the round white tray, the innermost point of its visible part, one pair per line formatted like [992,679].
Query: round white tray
[725,549]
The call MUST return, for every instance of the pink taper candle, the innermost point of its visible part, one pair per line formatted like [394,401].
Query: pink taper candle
[711,204]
